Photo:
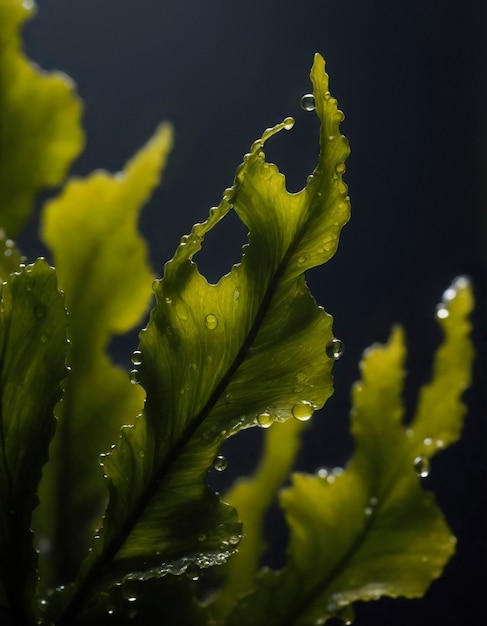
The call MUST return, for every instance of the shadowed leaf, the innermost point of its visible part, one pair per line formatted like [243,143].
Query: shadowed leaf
[33,353]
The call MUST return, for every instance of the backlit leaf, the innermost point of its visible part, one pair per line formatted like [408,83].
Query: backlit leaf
[32,354]
[214,357]
[372,530]
[91,229]
[40,132]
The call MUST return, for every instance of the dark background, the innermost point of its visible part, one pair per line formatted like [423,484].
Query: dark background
[411,78]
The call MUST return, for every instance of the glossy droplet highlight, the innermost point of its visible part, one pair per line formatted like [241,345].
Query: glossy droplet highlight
[192,571]
[220,463]
[421,466]
[335,349]
[308,102]
[136,357]
[303,410]
[341,168]
[265,420]
[442,312]
[134,377]
[129,590]
[211,321]
[288,123]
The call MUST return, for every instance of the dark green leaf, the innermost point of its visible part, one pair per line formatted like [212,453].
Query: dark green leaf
[33,353]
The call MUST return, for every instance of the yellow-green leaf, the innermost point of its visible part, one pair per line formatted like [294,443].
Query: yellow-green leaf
[40,132]
[33,349]
[102,264]
[214,357]
[372,530]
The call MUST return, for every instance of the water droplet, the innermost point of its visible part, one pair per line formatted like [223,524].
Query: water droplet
[220,463]
[308,102]
[141,454]
[322,473]
[43,338]
[265,420]
[136,357]
[129,590]
[192,571]
[167,300]
[442,311]
[201,537]
[228,398]
[440,443]
[236,294]
[373,501]
[211,321]
[134,377]
[368,511]
[303,410]
[340,168]
[428,441]
[331,137]
[301,260]
[193,367]
[182,311]
[335,349]
[421,466]
[288,123]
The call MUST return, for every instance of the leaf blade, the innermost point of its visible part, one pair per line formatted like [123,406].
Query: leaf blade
[33,354]
[39,116]
[220,336]
[371,530]
[102,261]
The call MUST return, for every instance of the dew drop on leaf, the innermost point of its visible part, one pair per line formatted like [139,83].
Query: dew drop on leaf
[288,123]
[134,377]
[265,420]
[341,168]
[136,357]
[335,349]
[442,312]
[303,410]
[192,571]
[421,466]
[308,102]
[129,590]
[211,321]
[220,463]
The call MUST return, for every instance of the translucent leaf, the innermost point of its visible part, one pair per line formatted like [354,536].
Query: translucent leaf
[252,498]
[101,259]
[32,352]
[40,132]
[371,530]
[214,357]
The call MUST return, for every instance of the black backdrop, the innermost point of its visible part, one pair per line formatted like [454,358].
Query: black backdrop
[410,76]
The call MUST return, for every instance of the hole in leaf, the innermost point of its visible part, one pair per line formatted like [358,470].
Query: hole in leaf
[222,248]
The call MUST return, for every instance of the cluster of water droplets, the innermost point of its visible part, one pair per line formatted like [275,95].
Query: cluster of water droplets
[137,359]
[443,308]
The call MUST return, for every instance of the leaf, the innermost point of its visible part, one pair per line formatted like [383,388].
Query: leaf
[371,530]
[33,352]
[252,498]
[91,229]
[216,356]
[40,132]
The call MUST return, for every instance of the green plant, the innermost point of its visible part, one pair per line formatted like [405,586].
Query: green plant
[252,350]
